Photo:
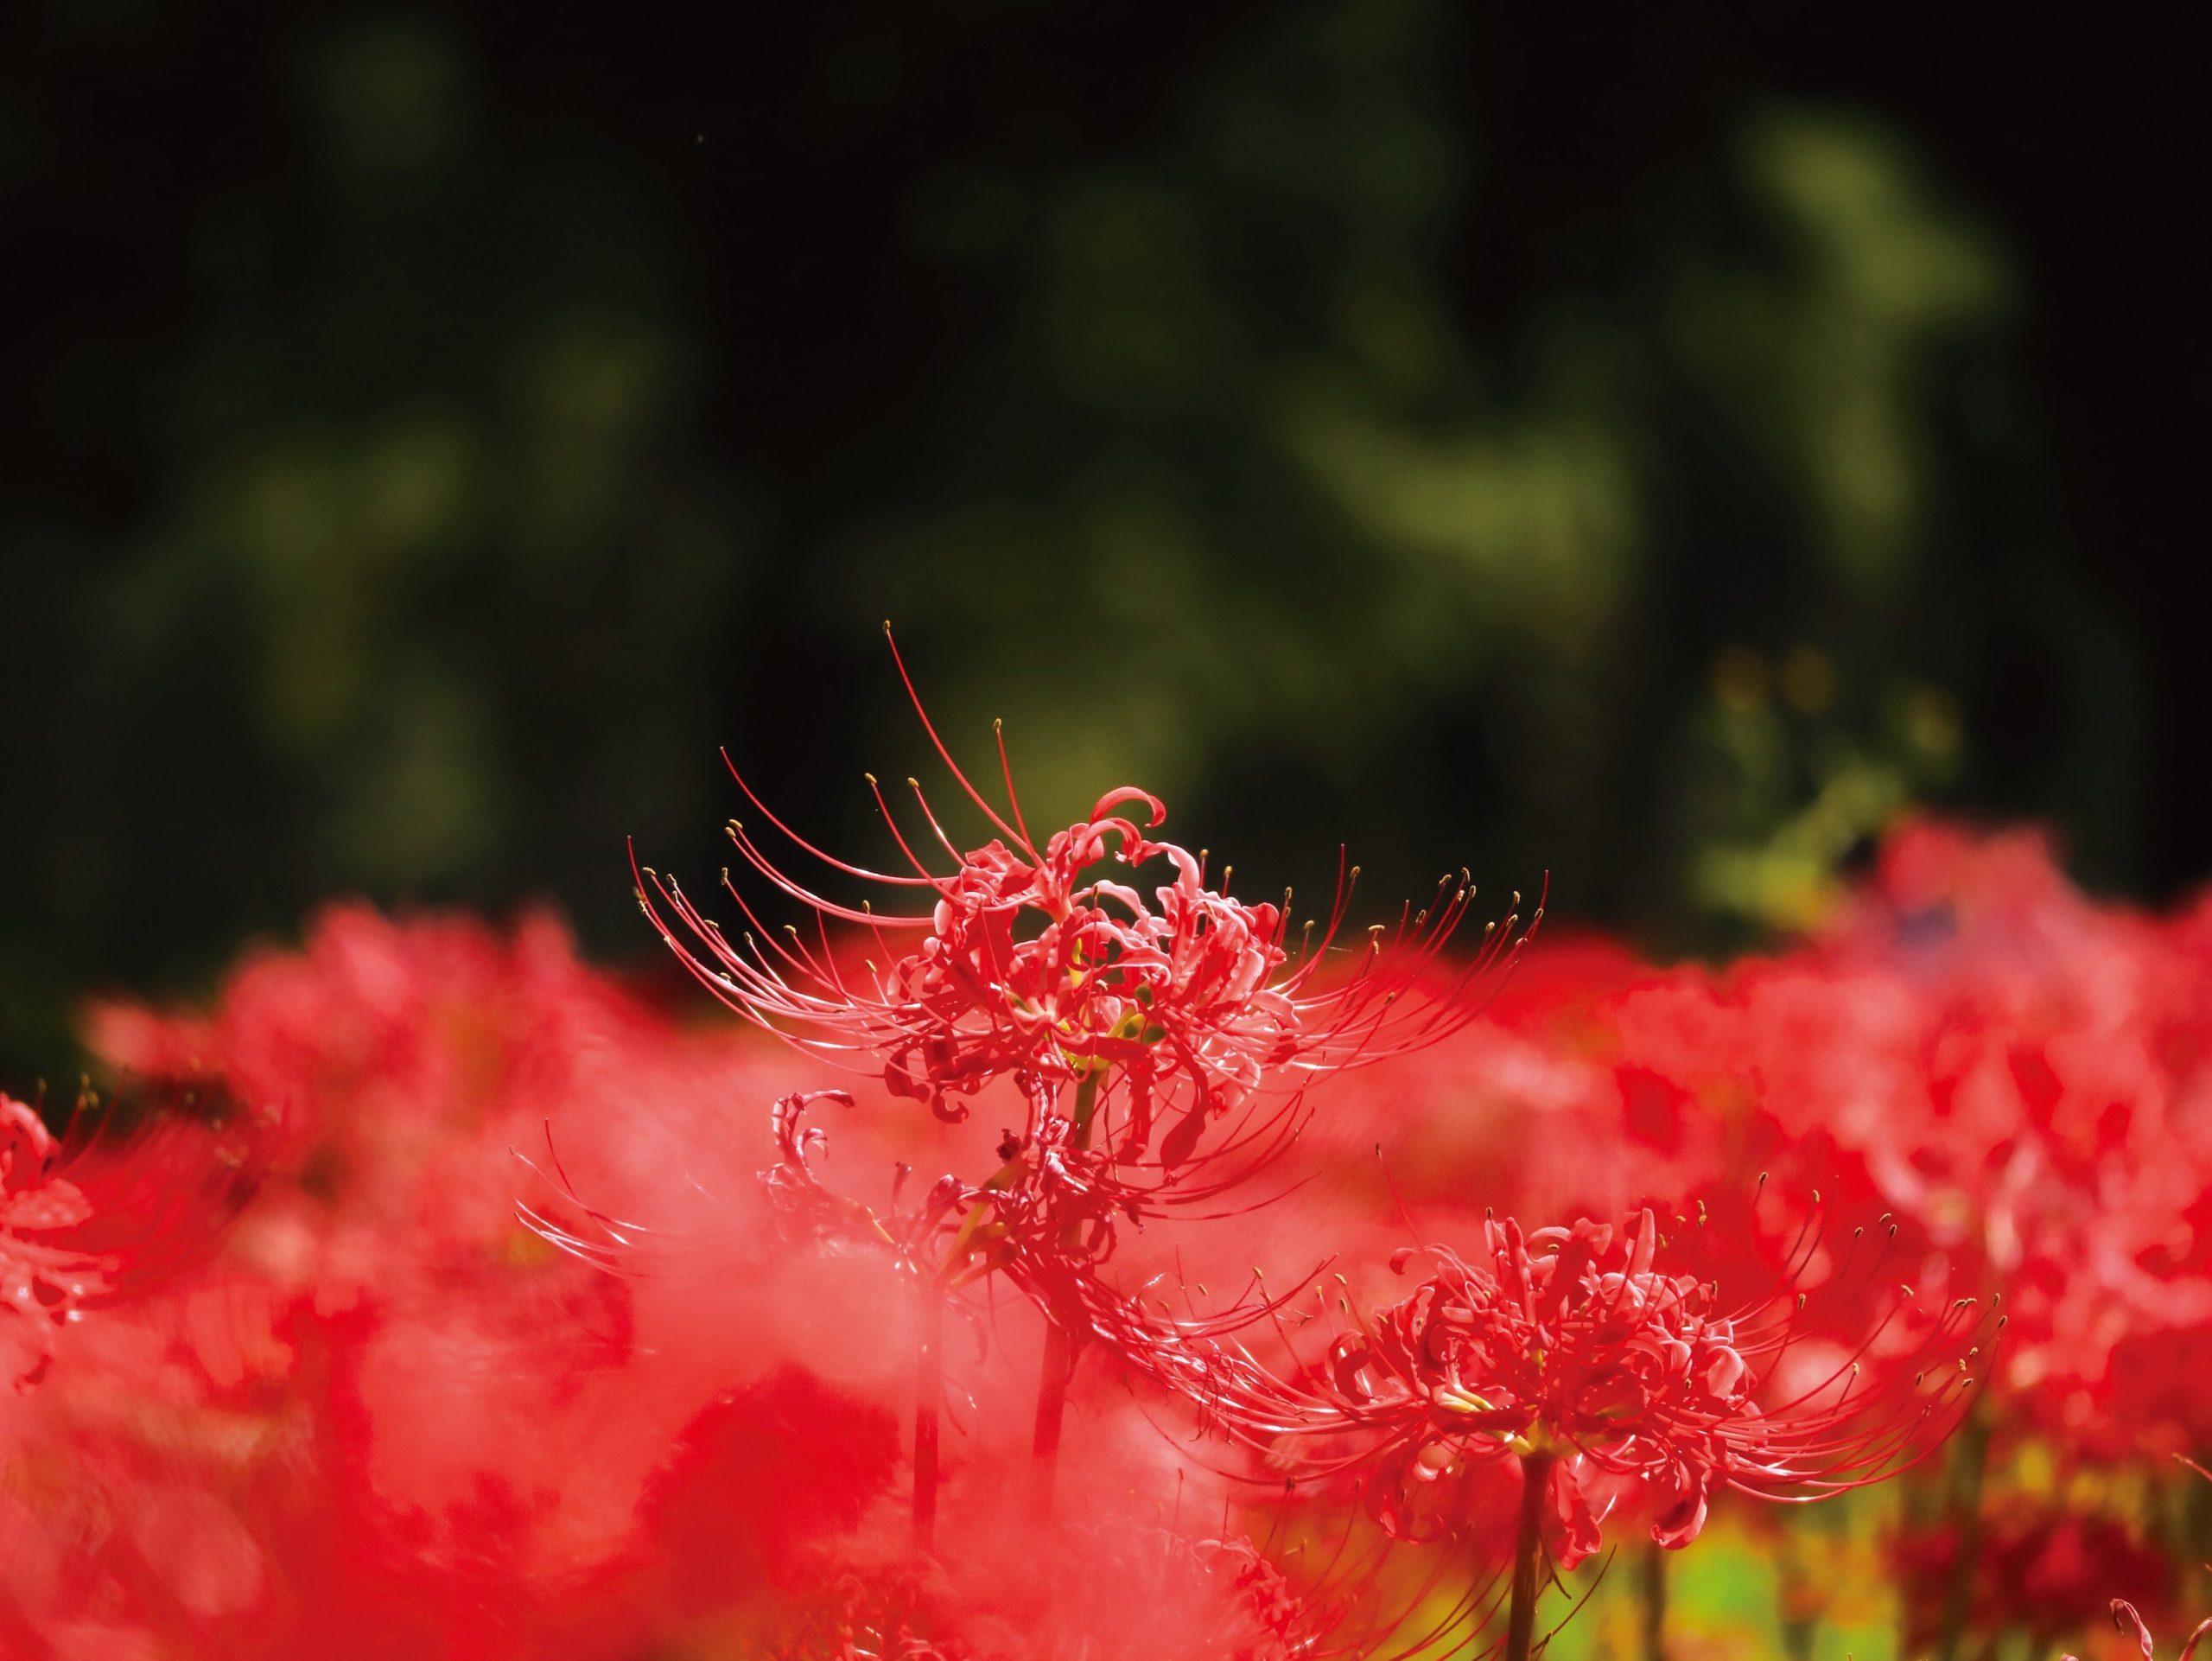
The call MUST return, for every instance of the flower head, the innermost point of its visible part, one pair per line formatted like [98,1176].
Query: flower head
[1170,1004]
[1572,1350]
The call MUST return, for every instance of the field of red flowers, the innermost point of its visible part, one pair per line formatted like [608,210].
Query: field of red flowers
[1086,1263]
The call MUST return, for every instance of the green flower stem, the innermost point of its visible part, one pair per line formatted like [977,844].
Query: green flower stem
[929,1392]
[1058,1364]
[1655,1602]
[1527,1557]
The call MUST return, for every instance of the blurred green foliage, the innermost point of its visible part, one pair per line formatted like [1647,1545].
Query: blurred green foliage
[433,449]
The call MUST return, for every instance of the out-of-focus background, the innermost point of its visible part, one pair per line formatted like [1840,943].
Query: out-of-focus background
[1654,448]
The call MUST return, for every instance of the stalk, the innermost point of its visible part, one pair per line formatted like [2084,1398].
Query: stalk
[1655,1602]
[1051,1403]
[1799,1628]
[929,1392]
[1527,1557]
[1058,1364]
[1965,1507]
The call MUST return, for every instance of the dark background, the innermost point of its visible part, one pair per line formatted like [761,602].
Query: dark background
[1657,451]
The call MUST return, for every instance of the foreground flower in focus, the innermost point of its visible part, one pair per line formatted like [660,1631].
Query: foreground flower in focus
[1570,1350]
[1028,962]
[1572,1353]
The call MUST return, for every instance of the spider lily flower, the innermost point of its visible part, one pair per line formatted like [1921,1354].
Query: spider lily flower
[1574,1352]
[1162,1011]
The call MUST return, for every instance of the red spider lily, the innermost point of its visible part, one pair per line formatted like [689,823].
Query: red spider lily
[1572,1355]
[1026,962]
[1572,1351]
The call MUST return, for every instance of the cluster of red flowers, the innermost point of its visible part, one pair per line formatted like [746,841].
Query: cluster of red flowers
[389,1418]
[490,1308]
[2009,1081]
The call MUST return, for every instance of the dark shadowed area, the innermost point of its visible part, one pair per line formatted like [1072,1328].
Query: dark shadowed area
[1657,452]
